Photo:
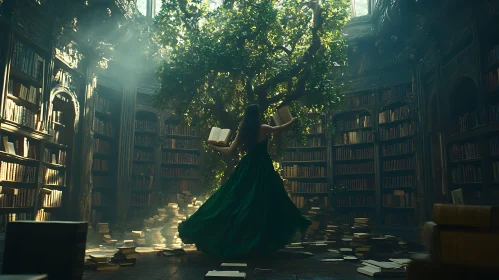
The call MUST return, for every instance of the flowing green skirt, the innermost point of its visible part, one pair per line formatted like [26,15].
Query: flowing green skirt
[250,216]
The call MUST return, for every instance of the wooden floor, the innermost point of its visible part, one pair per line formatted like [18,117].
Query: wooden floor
[193,266]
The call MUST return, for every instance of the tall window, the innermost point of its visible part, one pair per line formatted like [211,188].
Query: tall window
[360,7]
[149,8]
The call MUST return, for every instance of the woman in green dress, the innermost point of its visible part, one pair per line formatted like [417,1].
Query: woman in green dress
[250,215]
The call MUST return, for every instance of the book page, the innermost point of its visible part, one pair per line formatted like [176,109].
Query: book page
[214,134]
[277,119]
[224,136]
[285,114]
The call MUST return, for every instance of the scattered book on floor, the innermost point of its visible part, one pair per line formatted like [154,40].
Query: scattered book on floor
[331,260]
[226,275]
[173,252]
[282,116]
[383,269]
[457,197]
[234,265]
[219,136]
[23,277]
[403,262]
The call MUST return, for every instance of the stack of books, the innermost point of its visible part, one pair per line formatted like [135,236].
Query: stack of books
[126,256]
[361,225]
[361,244]
[101,262]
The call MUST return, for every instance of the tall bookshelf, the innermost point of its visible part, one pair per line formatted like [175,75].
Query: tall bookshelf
[373,158]
[104,165]
[396,130]
[354,166]
[180,161]
[305,169]
[144,165]
[23,131]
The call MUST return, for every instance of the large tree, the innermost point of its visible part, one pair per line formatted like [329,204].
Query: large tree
[268,52]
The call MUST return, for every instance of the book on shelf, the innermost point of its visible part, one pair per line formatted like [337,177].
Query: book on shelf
[357,123]
[396,92]
[54,176]
[304,171]
[103,127]
[354,137]
[399,164]
[219,136]
[24,59]
[361,100]
[399,199]
[282,116]
[356,200]
[311,142]
[355,168]
[464,151]
[180,158]
[100,165]
[54,199]
[357,184]
[399,148]
[145,126]
[12,197]
[397,114]
[182,130]
[14,172]
[103,105]
[305,156]
[22,116]
[345,153]
[466,174]
[402,181]
[24,92]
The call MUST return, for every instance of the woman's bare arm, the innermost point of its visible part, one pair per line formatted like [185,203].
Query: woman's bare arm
[267,129]
[230,149]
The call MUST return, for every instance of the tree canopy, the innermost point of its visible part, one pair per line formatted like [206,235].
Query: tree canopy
[268,52]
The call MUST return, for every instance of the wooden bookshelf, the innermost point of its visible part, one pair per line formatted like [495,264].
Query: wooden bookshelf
[353,162]
[373,158]
[144,168]
[180,161]
[304,167]
[104,165]
[396,130]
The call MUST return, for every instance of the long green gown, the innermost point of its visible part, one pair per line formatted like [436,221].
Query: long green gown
[250,216]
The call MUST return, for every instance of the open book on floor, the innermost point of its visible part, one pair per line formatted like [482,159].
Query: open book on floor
[219,136]
[225,275]
[282,116]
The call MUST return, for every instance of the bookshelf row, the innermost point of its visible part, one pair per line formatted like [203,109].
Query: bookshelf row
[358,152]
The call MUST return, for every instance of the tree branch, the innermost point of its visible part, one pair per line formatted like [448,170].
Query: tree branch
[262,89]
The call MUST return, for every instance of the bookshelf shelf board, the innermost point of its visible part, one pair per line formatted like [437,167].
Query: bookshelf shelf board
[29,132]
[396,139]
[473,133]
[182,136]
[20,185]
[304,178]
[349,192]
[180,164]
[355,174]
[144,161]
[57,145]
[182,150]
[51,208]
[399,170]
[399,156]
[466,160]
[17,74]
[309,193]
[397,188]
[100,172]
[398,208]
[103,115]
[54,165]
[103,136]
[353,160]
[17,158]
[396,122]
[181,178]
[305,162]
[101,155]
[6,210]
[60,187]
[144,147]
[305,148]
[356,129]
[146,132]
[356,144]
[471,184]
[19,101]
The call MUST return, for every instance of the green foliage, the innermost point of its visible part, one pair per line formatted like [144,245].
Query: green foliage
[268,52]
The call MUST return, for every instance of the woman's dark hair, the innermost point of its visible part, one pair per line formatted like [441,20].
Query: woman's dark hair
[250,127]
